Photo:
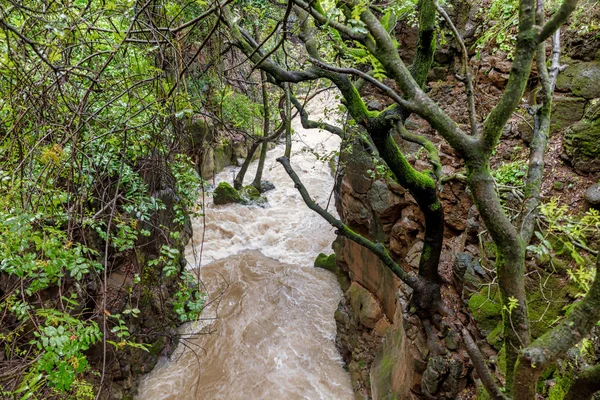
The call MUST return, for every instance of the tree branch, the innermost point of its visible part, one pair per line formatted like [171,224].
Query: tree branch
[309,124]
[561,16]
[481,367]
[468,79]
[377,248]
[541,133]
[585,385]
[433,155]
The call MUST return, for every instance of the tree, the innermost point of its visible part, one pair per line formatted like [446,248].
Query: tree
[362,24]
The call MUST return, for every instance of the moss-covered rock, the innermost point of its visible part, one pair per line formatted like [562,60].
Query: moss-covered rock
[566,111]
[224,193]
[582,141]
[581,79]
[251,195]
[487,311]
[326,262]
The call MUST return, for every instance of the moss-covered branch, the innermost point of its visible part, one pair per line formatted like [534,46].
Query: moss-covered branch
[432,152]
[541,132]
[527,41]
[566,8]
[585,385]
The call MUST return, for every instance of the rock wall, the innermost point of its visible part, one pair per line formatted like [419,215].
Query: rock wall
[211,150]
[377,337]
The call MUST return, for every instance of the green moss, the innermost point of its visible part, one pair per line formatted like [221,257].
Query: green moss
[326,262]
[501,360]
[435,206]
[546,304]
[224,193]
[482,394]
[250,193]
[496,336]
[487,312]
[386,365]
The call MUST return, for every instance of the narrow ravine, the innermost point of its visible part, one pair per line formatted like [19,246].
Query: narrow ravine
[269,330]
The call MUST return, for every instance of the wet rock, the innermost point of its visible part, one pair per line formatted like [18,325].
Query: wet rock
[592,195]
[364,305]
[266,186]
[326,262]
[224,193]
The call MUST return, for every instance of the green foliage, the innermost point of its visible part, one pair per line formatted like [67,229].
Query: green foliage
[239,111]
[93,143]
[568,236]
[503,16]
[189,301]
[510,174]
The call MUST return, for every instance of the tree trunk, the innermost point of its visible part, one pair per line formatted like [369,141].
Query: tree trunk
[263,152]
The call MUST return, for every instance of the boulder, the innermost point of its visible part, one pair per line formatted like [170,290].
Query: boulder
[581,79]
[582,141]
[565,112]
[224,193]
[251,195]
[326,262]
[592,195]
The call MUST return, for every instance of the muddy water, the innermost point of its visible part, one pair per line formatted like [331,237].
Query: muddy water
[269,331]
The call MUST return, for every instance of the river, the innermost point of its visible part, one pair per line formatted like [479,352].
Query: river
[268,331]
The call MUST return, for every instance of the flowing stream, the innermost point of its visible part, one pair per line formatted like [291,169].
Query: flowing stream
[268,331]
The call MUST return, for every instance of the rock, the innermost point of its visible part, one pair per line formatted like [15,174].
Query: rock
[375,105]
[223,155]
[559,185]
[393,370]
[266,186]
[364,305]
[382,326]
[582,141]
[452,340]
[326,262]
[565,112]
[251,195]
[473,274]
[487,312]
[581,79]
[224,193]
[434,375]
[592,195]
